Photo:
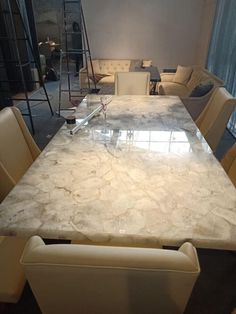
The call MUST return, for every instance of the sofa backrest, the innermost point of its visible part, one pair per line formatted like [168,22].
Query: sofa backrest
[210,77]
[110,67]
[202,76]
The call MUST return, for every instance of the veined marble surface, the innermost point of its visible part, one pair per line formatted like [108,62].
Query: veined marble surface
[142,177]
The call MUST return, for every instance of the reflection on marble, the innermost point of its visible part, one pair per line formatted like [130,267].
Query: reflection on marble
[141,177]
[159,141]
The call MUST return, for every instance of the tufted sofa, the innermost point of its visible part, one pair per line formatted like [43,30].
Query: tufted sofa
[104,71]
[198,76]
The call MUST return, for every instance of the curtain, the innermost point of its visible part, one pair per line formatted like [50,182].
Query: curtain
[222,52]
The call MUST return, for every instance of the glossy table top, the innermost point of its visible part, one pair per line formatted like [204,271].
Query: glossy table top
[142,177]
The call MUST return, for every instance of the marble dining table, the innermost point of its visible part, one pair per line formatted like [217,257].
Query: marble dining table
[141,176]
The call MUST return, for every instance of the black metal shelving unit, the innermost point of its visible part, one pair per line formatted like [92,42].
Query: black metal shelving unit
[18,55]
[72,8]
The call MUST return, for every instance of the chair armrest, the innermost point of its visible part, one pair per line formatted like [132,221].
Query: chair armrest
[190,251]
[167,77]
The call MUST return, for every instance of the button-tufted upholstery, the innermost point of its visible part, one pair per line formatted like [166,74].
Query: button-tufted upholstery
[119,280]
[110,67]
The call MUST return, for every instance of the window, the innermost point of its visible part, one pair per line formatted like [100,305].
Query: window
[222,52]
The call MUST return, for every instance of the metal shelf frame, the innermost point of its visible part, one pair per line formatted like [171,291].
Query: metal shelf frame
[68,51]
[13,9]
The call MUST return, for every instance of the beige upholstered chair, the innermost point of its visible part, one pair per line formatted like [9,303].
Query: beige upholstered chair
[213,119]
[132,83]
[229,163]
[17,149]
[12,278]
[102,279]
[17,152]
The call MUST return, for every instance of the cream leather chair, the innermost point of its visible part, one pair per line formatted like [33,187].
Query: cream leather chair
[132,83]
[12,278]
[17,152]
[17,148]
[213,119]
[101,279]
[229,163]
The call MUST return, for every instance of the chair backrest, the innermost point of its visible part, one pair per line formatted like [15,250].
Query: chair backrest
[17,149]
[98,279]
[228,162]
[213,119]
[132,83]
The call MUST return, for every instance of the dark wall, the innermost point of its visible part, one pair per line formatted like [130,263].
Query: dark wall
[48,19]
[13,51]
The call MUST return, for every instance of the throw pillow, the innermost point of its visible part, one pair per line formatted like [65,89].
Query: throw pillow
[182,75]
[201,90]
[195,79]
[146,63]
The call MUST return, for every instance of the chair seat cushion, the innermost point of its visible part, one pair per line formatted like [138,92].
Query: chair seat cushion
[12,279]
[171,88]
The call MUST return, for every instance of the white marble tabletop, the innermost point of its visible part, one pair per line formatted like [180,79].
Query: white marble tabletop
[142,177]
